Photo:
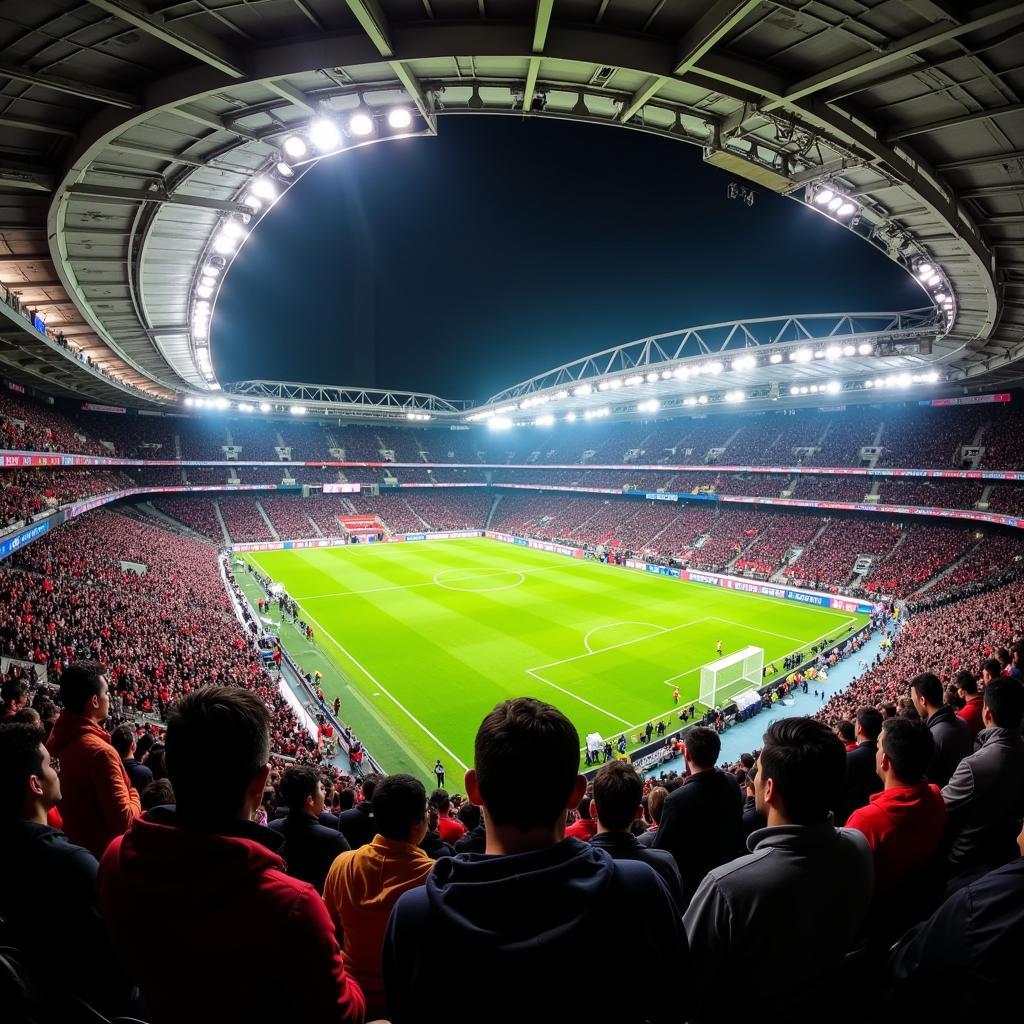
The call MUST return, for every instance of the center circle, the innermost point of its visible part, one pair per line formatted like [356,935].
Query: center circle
[491,580]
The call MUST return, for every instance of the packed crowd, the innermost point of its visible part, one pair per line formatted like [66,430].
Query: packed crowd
[831,558]
[27,492]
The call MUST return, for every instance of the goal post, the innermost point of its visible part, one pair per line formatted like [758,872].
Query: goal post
[728,675]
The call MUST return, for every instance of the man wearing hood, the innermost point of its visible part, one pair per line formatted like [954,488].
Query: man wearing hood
[519,920]
[221,885]
[98,801]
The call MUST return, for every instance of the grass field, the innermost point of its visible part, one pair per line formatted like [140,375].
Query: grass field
[429,636]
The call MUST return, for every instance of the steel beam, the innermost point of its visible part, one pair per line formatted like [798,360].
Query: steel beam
[954,122]
[34,126]
[719,19]
[204,117]
[541,23]
[66,85]
[183,37]
[112,194]
[374,23]
[288,92]
[981,161]
[639,99]
[14,259]
[35,180]
[991,191]
[416,93]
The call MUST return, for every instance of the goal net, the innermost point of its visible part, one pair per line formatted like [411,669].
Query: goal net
[727,676]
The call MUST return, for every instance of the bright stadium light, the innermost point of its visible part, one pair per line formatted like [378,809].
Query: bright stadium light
[652,378]
[603,386]
[399,117]
[265,407]
[794,390]
[775,358]
[834,203]
[869,383]
[651,405]
[801,355]
[931,377]
[824,196]
[546,420]
[846,209]
[233,228]
[298,410]
[221,404]
[211,270]
[499,423]
[714,367]
[284,169]
[559,395]
[207,280]
[253,203]
[680,373]
[295,147]
[189,400]
[925,270]
[865,348]
[747,362]
[703,400]
[264,188]
[614,385]
[833,387]
[360,124]
[204,290]
[582,391]
[324,135]
[849,350]
[833,352]
[225,243]
[933,280]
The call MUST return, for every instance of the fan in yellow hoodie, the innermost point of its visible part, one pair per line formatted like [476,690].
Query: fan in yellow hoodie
[363,885]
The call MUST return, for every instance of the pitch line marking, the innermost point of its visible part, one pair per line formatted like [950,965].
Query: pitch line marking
[383,689]
[478,574]
[624,622]
[575,696]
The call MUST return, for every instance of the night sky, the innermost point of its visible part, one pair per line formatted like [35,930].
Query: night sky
[462,264]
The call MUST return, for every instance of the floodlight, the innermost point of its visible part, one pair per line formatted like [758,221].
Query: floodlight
[824,196]
[802,355]
[775,358]
[845,210]
[849,350]
[833,352]
[703,400]
[204,290]
[925,270]
[189,400]
[819,353]
[652,378]
[833,387]
[211,270]
[233,228]
[865,348]
[941,296]
[835,202]
[499,423]
[222,404]
[582,391]
[199,330]
[570,417]
[904,380]
[746,362]
[264,407]
[360,124]
[869,383]
[603,386]
[324,135]
[295,147]
[666,374]
[635,379]
[253,203]
[399,117]
[814,389]
[298,410]
[681,373]
[264,188]
[931,377]
[794,390]
[207,280]
[715,367]
[614,385]
[933,280]
[544,421]
[224,243]
[284,169]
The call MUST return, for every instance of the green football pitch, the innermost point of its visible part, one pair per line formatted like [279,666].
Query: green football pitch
[428,637]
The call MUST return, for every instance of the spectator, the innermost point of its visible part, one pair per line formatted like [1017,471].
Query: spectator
[13,697]
[904,823]
[49,899]
[157,794]
[702,821]
[584,827]
[448,828]
[98,802]
[122,739]
[845,731]
[967,688]
[309,847]
[861,779]
[220,886]
[753,819]
[805,885]
[527,909]
[363,886]
[973,940]
[991,668]
[952,735]
[655,806]
[432,843]
[618,792]
[1016,656]
[357,824]
[475,839]
[985,797]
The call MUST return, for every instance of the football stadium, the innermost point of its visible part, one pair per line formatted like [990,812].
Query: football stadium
[526,570]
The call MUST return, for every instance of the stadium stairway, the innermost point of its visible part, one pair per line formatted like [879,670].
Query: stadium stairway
[149,513]
[270,526]
[945,572]
[494,508]
[220,519]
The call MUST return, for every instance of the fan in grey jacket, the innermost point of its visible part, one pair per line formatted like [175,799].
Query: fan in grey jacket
[805,885]
[985,797]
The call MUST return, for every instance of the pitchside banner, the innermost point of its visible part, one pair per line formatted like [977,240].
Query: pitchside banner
[812,597]
[342,488]
[26,536]
[337,542]
[539,545]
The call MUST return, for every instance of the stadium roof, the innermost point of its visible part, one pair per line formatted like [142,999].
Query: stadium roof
[132,135]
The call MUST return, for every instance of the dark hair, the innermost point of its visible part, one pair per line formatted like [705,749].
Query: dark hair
[928,688]
[1003,656]
[992,666]
[910,747]
[156,760]
[27,716]
[156,794]
[399,803]
[618,791]
[655,801]
[583,807]
[218,738]
[1004,698]
[298,782]
[143,744]
[20,757]
[807,763]
[346,799]
[888,710]
[121,739]
[520,732]
[12,690]
[440,800]
[844,727]
[703,746]
[747,760]
[965,681]
[469,814]
[78,682]
[870,721]
[369,784]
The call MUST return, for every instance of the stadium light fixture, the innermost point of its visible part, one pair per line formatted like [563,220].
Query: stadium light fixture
[869,383]
[833,352]
[559,395]
[211,270]
[833,387]
[680,373]
[746,362]
[666,374]
[546,420]
[635,379]
[925,270]
[295,147]
[819,353]
[582,391]
[221,404]
[849,350]
[360,124]
[189,400]
[801,355]
[794,390]
[324,135]
[207,280]
[614,385]
[284,169]
[775,358]
[834,203]
[714,367]
[603,386]
[263,188]
[298,410]
[399,118]
[824,196]
[265,407]
[703,400]
[499,423]
[570,417]
[865,348]
[933,280]
[651,405]
[225,243]
[652,378]
[204,290]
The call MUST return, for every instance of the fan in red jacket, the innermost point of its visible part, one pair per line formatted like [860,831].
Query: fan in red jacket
[224,896]
[904,823]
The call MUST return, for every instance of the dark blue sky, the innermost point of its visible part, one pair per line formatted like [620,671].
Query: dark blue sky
[464,263]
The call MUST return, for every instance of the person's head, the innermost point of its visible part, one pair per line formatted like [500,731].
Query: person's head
[583,807]
[14,694]
[869,724]
[440,801]
[844,730]
[28,716]
[618,792]
[655,804]
[346,799]
[519,736]
[469,814]
[83,690]
[1017,654]
[143,745]
[990,669]
[156,794]
[966,685]
[1003,657]
[29,783]
[888,710]
[926,693]
[400,809]
[302,790]
[1004,703]
[800,772]
[905,749]
[369,784]
[703,746]
[218,745]
[122,739]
